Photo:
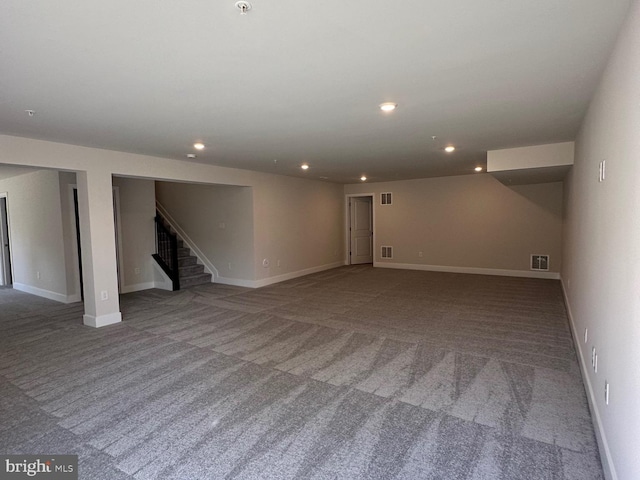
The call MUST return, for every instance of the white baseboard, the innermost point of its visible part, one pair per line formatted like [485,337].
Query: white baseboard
[137,287]
[603,444]
[472,270]
[40,292]
[278,278]
[75,298]
[236,282]
[102,320]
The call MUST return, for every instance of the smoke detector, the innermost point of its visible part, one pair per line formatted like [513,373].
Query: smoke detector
[243,6]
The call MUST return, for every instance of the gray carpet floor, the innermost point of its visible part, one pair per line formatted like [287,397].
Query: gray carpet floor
[350,373]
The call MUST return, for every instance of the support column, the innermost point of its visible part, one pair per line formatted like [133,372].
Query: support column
[97,239]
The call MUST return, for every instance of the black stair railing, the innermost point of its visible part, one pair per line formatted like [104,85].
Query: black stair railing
[167,252]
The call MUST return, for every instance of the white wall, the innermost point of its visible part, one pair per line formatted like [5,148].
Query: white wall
[137,210]
[601,272]
[36,233]
[469,223]
[536,156]
[295,224]
[218,219]
[299,223]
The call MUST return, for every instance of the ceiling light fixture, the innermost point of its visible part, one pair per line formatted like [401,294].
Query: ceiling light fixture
[244,7]
[363,178]
[191,155]
[449,148]
[31,113]
[388,106]
[304,166]
[198,146]
[478,169]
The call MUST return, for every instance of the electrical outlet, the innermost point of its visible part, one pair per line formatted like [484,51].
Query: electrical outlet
[278,263]
[104,295]
[229,265]
[265,263]
[606,392]
[420,254]
[137,271]
[38,275]
[586,334]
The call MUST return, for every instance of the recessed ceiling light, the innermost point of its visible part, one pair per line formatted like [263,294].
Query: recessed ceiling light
[191,155]
[304,166]
[31,113]
[198,146]
[478,169]
[449,148]
[388,106]
[363,178]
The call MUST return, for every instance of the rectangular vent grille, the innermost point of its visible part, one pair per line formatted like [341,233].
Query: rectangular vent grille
[385,198]
[387,252]
[540,262]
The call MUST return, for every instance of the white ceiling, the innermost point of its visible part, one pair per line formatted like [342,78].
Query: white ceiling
[300,81]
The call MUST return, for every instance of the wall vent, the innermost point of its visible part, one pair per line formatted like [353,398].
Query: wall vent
[385,198]
[540,262]
[387,252]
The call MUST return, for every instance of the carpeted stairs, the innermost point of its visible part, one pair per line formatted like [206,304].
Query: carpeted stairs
[191,272]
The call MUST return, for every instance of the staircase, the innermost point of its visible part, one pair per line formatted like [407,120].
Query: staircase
[190,273]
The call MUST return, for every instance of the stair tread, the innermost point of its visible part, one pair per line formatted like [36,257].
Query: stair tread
[193,280]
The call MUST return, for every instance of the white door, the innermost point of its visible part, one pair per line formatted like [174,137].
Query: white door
[361,227]
[5,258]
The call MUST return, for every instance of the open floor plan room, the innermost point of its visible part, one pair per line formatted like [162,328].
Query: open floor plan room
[355,372]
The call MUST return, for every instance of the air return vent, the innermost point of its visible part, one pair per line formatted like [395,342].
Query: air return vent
[387,252]
[540,262]
[385,198]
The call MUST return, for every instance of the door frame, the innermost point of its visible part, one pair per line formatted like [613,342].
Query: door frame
[76,235]
[5,195]
[347,216]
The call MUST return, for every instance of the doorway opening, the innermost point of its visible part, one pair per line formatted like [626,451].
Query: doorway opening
[360,238]
[6,278]
[118,236]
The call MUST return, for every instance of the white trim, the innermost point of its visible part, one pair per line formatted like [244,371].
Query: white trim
[75,298]
[117,226]
[208,266]
[278,278]
[75,260]
[472,270]
[40,292]
[5,195]
[237,282]
[102,320]
[605,453]
[137,287]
